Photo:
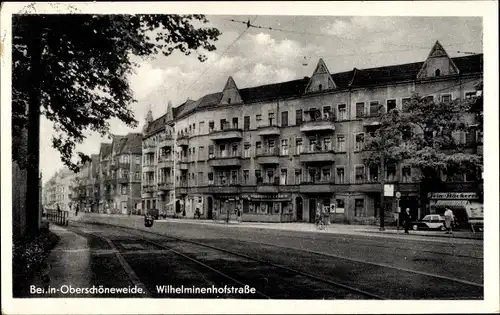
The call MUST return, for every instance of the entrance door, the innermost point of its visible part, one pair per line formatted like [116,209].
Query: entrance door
[210,208]
[124,207]
[312,210]
[298,207]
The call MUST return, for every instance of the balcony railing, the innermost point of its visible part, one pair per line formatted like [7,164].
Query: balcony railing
[149,188]
[314,154]
[222,160]
[318,124]
[226,133]
[165,185]
[316,185]
[183,140]
[268,130]
[268,156]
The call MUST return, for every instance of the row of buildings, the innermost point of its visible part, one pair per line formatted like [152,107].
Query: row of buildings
[281,152]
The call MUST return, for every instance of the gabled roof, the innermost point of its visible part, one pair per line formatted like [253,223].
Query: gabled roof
[156,126]
[105,150]
[133,144]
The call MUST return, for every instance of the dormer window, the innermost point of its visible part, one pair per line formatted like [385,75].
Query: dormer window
[437,73]
[320,87]
[229,100]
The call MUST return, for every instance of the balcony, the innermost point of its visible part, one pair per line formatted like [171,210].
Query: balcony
[165,163]
[183,141]
[311,187]
[148,188]
[317,155]
[226,134]
[147,168]
[125,166]
[123,179]
[183,163]
[268,157]
[268,130]
[321,124]
[229,161]
[165,141]
[267,188]
[148,148]
[165,185]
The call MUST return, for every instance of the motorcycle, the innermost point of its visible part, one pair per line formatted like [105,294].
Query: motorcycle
[148,220]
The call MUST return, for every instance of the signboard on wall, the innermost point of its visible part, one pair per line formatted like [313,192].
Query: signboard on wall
[388,190]
[452,195]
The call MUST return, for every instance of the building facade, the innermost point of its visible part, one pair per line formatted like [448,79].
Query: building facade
[59,190]
[110,182]
[284,151]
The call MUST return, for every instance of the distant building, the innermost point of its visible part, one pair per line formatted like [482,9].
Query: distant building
[58,190]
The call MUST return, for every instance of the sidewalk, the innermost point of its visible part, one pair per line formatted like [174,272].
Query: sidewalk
[68,261]
[390,231]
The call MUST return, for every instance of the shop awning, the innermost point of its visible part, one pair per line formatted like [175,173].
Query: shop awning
[452,204]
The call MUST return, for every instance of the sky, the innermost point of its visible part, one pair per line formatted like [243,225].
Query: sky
[263,56]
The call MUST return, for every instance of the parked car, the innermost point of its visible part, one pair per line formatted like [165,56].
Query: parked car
[432,222]
[155,213]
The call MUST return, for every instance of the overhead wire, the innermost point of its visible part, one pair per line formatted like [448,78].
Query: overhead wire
[220,56]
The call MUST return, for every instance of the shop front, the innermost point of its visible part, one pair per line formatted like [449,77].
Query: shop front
[320,205]
[225,207]
[466,206]
[267,208]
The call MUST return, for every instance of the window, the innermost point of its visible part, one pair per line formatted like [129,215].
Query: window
[210,178]
[200,178]
[360,141]
[326,175]
[469,95]
[138,160]
[270,117]
[313,145]
[258,147]
[210,151]
[391,172]
[235,123]
[270,146]
[298,117]
[360,174]
[283,177]
[194,151]
[234,177]
[124,189]
[246,176]
[437,73]
[405,104]
[258,117]
[320,87]
[340,175]
[229,100]
[406,172]
[342,112]
[137,176]
[373,169]
[211,126]
[284,119]
[391,104]
[298,175]
[201,152]
[222,150]
[298,145]
[201,127]
[194,127]
[359,208]
[246,150]
[429,98]
[470,138]
[327,112]
[270,176]
[223,124]
[374,108]
[340,143]
[327,144]
[246,123]
[446,98]
[258,176]
[340,204]
[284,147]
[360,109]
[234,151]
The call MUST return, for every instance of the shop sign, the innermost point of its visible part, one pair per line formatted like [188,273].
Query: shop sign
[452,195]
[267,197]
[388,190]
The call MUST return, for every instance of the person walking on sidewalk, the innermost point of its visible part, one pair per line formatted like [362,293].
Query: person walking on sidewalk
[407,220]
[448,219]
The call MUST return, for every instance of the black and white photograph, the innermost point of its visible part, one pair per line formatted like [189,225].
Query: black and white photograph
[213,157]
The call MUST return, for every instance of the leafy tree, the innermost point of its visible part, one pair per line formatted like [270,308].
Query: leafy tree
[424,137]
[73,69]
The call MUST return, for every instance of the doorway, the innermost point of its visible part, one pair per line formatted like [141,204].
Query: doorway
[210,208]
[312,210]
[298,207]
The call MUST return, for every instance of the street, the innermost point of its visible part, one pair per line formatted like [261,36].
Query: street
[277,264]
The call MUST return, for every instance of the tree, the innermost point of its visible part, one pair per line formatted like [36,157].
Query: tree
[73,69]
[429,136]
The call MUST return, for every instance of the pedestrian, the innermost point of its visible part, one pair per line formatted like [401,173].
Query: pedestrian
[76,211]
[407,220]
[239,215]
[448,219]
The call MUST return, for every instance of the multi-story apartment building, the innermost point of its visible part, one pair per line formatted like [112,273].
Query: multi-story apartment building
[157,163]
[58,191]
[282,151]
[110,182]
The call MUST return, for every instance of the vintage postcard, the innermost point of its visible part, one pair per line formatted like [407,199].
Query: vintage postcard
[249,157]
